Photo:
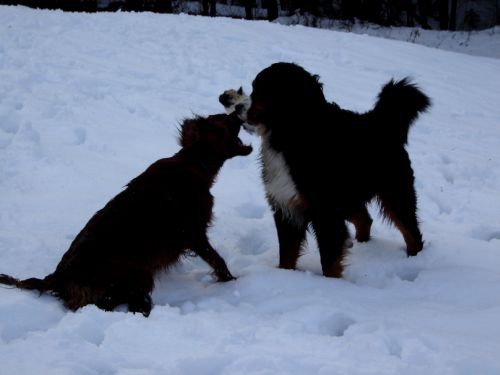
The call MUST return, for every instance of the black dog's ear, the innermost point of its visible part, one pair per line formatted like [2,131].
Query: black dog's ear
[240,90]
[190,132]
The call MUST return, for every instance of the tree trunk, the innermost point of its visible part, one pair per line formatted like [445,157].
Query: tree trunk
[411,13]
[424,11]
[443,14]
[213,8]
[204,7]
[453,15]
[349,9]
[272,10]
[249,4]
[163,6]
[498,12]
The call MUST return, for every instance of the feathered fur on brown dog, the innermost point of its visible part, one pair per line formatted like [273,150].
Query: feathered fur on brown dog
[161,215]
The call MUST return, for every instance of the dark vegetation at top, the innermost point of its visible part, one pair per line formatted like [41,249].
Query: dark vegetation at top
[428,14]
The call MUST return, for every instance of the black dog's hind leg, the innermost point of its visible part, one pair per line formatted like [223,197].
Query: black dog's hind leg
[398,201]
[331,234]
[291,237]
[362,222]
[404,217]
[214,260]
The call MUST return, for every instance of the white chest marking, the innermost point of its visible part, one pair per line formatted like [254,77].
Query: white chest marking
[278,183]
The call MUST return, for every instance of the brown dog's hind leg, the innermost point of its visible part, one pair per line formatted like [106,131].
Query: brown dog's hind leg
[140,302]
[132,288]
[291,236]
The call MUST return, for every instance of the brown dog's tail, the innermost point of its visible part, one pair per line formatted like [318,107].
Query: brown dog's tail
[398,106]
[33,283]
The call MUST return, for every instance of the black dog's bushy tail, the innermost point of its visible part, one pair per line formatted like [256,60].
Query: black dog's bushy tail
[399,104]
[41,285]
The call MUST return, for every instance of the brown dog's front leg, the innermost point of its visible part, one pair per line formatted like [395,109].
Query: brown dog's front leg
[214,260]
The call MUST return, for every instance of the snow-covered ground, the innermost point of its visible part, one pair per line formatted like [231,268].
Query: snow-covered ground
[89,101]
[476,42]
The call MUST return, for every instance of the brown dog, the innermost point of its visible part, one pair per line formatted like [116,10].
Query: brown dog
[161,215]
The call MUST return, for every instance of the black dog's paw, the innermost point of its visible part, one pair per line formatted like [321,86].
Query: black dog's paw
[141,304]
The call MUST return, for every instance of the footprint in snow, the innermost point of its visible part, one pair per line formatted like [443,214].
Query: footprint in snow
[443,207]
[9,126]
[252,243]
[336,325]
[486,233]
[80,136]
[251,211]
[408,273]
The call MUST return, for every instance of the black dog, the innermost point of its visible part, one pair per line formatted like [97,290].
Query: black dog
[321,164]
[163,213]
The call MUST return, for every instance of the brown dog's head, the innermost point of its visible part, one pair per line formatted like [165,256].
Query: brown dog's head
[215,135]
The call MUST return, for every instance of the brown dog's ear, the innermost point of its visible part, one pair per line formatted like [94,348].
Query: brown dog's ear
[190,133]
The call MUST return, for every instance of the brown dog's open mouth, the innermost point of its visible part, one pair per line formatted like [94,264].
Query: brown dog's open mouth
[241,148]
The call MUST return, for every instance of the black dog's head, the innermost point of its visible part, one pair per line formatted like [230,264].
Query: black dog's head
[282,92]
[216,135]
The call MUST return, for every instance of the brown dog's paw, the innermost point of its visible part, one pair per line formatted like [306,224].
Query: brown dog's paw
[224,276]
[414,247]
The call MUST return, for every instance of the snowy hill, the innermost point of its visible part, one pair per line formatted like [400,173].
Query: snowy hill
[477,42]
[87,102]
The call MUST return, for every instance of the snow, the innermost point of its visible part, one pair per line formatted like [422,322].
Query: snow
[474,42]
[88,101]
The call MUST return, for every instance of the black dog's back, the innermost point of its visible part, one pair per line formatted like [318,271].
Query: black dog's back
[356,145]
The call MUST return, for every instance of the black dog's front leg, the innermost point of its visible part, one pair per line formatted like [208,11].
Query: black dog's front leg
[291,237]
[331,235]
[214,260]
